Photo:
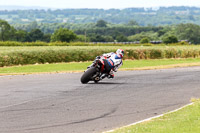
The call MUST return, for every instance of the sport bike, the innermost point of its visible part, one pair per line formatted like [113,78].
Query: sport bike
[95,73]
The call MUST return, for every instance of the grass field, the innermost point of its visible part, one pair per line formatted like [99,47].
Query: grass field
[186,120]
[81,66]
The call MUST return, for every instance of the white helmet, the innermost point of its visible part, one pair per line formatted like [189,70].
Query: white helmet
[120,52]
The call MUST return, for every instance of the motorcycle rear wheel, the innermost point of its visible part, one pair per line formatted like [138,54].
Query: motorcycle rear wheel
[86,77]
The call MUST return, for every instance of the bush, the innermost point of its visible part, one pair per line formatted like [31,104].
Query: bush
[144,40]
[63,35]
[170,39]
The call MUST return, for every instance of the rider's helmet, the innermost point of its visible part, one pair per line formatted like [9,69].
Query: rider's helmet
[120,52]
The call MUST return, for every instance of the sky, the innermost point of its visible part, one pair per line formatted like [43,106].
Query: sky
[105,4]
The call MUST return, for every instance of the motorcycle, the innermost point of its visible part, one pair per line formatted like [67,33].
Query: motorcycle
[95,73]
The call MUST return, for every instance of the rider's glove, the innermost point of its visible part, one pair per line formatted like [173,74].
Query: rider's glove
[111,75]
[107,55]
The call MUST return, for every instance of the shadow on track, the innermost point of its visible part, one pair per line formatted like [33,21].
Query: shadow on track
[106,83]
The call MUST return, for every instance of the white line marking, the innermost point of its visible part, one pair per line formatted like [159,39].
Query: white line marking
[148,119]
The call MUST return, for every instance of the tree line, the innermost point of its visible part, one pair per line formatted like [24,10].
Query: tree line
[9,33]
[101,31]
[144,16]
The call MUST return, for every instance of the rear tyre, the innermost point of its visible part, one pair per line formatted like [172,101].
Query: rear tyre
[87,75]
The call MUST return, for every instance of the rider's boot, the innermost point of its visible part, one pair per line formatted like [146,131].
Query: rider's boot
[103,76]
[111,75]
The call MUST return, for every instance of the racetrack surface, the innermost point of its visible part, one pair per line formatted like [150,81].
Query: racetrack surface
[59,103]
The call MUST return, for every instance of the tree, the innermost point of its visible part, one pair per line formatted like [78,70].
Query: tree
[121,38]
[5,30]
[36,35]
[108,39]
[170,39]
[132,23]
[21,36]
[46,38]
[101,23]
[144,40]
[190,32]
[63,35]
[11,34]
[136,37]
[82,38]
[96,38]
[161,32]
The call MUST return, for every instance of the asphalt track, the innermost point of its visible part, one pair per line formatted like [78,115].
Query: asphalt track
[59,103]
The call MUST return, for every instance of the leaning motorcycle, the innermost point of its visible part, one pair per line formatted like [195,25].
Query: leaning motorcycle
[95,73]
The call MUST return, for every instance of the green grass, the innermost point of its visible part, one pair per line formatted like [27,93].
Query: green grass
[64,67]
[186,120]
[158,62]
[60,67]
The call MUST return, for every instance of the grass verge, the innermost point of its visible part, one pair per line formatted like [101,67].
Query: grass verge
[185,120]
[77,67]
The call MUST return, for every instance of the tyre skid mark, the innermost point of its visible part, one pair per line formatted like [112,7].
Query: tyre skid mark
[72,123]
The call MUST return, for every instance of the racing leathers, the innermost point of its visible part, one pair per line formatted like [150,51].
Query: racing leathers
[112,62]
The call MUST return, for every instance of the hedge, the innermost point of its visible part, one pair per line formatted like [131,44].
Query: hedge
[32,55]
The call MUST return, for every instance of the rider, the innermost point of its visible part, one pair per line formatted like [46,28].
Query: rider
[112,61]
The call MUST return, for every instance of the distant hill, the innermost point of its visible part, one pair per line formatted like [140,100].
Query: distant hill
[143,16]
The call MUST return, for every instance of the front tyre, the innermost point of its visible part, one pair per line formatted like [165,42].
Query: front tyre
[88,75]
